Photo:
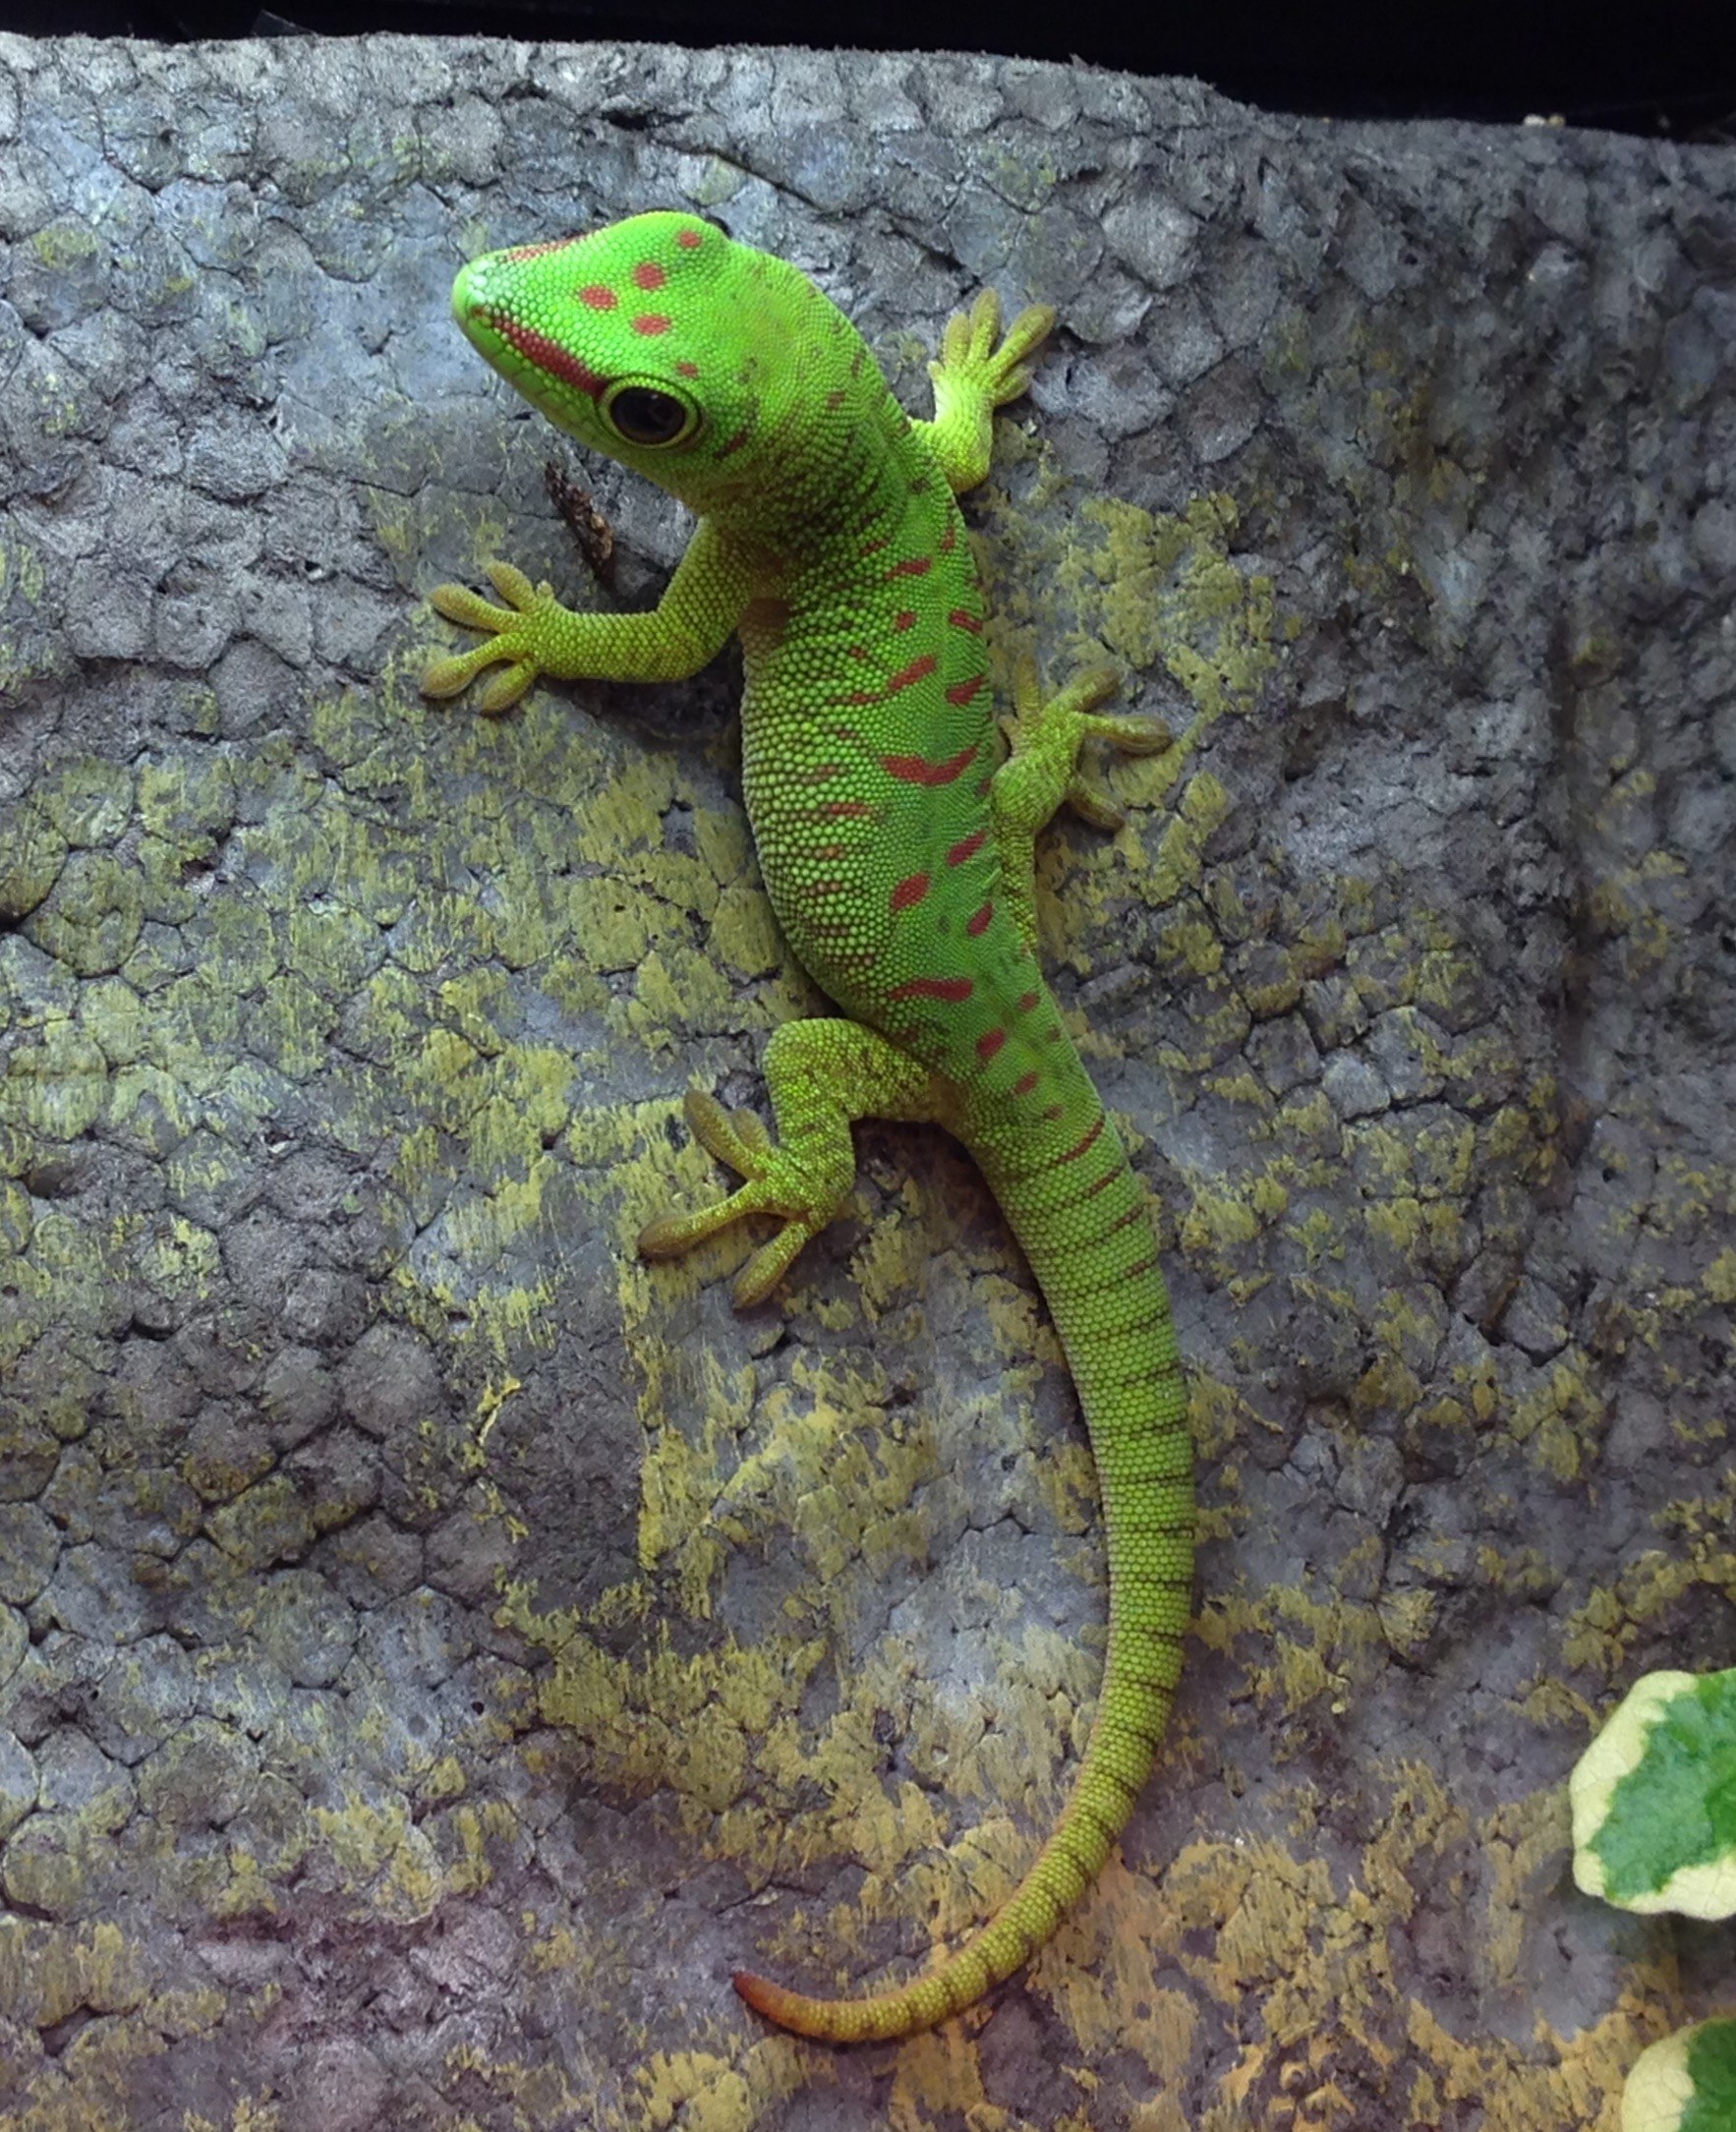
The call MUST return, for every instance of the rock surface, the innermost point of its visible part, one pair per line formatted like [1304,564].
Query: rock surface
[433,1648]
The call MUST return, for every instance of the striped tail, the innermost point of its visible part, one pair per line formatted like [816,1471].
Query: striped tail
[1077,1209]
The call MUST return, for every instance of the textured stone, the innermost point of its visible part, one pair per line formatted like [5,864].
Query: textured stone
[442,1648]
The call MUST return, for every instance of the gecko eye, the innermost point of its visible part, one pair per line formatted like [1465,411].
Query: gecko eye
[646,415]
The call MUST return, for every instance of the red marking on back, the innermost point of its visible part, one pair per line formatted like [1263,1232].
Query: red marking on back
[647,274]
[831,851]
[595,297]
[961,692]
[905,620]
[978,921]
[911,890]
[1055,1110]
[538,252]
[988,1043]
[1027,1001]
[650,322]
[967,848]
[949,538]
[953,989]
[1024,1084]
[960,620]
[918,770]
[918,670]
[1088,1139]
[984,787]
[913,567]
[839,810]
[1108,1177]
[1124,1221]
[550,357]
[827,887]
[872,548]
[686,370]
[834,400]
[822,773]
[688,239]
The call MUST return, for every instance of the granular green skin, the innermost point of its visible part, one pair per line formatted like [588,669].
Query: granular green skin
[896,849]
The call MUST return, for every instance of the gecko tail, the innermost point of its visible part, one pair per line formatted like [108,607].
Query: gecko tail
[1091,1246]
[1117,1759]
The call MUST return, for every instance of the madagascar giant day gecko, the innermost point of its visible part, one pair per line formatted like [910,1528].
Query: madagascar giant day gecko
[897,848]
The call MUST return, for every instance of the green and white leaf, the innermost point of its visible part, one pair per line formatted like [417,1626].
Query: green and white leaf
[1655,1800]
[1685,2084]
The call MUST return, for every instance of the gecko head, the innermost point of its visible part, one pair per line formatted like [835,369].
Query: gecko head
[658,340]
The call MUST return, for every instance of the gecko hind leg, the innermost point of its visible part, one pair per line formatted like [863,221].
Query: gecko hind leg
[822,1074]
[1042,773]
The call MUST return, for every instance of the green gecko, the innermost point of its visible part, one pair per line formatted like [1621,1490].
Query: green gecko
[897,848]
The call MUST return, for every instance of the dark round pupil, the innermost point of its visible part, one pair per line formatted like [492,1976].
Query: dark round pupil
[645,416]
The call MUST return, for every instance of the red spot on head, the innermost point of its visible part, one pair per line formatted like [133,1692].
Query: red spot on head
[647,274]
[988,1043]
[689,239]
[951,989]
[686,370]
[911,890]
[650,322]
[978,921]
[1026,1002]
[1024,1084]
[918,770]
[595,297]
[967,848]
